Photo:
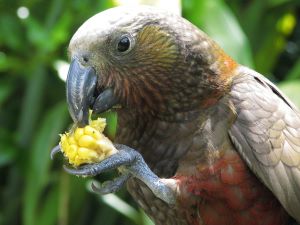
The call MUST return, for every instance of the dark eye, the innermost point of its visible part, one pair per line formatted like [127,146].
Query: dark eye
[123,44]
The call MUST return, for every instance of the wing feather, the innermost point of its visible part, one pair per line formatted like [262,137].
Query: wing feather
[267,135]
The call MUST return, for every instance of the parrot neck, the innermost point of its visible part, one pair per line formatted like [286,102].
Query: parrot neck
[161,143]
[208,69]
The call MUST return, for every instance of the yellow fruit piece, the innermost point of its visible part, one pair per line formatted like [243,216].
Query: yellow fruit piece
[78,133]
[99,124]
[72,152]
[88,130]
[87,144]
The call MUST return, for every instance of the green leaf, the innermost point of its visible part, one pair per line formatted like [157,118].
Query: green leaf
[146,219]
[31,105]
[112,123]
[36,33]
[11,32]
[39,163]
[48,212]
[292,90]
[73,196]
[106,216]
[58,33]
[278,3]
[122,207]
[294,73]
[7,154]
[6,89]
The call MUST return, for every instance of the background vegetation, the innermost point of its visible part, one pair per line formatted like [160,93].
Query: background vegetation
[34,36]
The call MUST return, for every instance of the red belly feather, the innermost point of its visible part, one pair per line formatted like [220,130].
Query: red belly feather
[230,194]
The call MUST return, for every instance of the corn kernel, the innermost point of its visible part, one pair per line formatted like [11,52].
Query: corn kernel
[85,153]
[110,153]
[72,152]
[88,144]
[64,141]
[101,157]
[78,133]
[88,130]
[104,145]
[99,124]
[72,140]
[87,141]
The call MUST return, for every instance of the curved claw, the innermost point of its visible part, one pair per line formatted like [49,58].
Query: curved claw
[122,158]
[81,171]
[111,186]
[132,163]
[55,151]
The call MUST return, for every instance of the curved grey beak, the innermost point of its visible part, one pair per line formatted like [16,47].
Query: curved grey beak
[80,87]
[82,94]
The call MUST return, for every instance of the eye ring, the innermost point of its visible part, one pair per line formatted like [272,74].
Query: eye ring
[124,44]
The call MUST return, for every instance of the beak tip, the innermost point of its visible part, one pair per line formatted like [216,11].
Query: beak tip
[80,118]
[80,86]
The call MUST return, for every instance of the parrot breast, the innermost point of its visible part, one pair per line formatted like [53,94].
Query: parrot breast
[229,194]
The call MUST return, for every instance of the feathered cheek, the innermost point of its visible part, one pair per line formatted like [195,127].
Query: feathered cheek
[156,49]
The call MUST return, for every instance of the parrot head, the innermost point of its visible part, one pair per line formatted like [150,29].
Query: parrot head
[146,60]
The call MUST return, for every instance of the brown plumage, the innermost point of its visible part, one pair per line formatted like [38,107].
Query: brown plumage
[222,136]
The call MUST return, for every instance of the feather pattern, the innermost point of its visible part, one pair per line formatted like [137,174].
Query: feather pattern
[267,135]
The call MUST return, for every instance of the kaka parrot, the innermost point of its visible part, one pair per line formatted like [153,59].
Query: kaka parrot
[201,139]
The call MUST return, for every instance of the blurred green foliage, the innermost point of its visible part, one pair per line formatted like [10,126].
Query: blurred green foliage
[34,190]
